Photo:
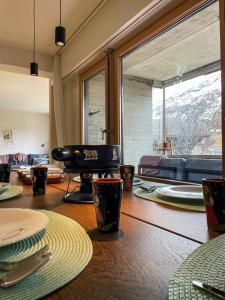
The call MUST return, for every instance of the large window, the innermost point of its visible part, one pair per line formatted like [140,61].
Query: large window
[172,100]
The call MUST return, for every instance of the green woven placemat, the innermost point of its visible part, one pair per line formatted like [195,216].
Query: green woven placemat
[205,264]
[71,248]
[153,197]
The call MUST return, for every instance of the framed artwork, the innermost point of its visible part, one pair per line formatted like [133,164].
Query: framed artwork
[7,137]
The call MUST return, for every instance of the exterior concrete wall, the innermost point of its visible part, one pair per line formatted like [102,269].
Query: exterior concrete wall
[137,116]
[95,94]
[137,119]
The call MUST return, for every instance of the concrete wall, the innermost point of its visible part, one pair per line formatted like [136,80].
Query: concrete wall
[30,130]
[137,116]
[96,102]
[137,119]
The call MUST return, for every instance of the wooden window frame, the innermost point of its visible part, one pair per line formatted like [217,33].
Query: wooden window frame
[151,30]
[165,23]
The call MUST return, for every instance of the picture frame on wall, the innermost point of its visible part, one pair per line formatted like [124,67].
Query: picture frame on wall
[7,137]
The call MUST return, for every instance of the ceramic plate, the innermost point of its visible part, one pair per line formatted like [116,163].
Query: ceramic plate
[11,191]
[182,192]
[4,186]
[17,224]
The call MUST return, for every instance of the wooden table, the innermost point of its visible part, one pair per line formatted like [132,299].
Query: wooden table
[189,224]
[135,263]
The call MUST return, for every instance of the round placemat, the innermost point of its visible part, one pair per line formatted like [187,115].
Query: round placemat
[205,264]
[71,250]
[153,197]
[12,191]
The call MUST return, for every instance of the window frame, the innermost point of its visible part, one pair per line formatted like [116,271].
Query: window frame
[113,66]
[166,23]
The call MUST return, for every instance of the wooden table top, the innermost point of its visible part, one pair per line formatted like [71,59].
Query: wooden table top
[134,263]
[189,224]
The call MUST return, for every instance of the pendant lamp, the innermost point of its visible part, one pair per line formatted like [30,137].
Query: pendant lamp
[60,32]
[33,64]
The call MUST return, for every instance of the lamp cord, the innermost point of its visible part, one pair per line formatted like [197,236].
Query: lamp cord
[34,31]
[60,7]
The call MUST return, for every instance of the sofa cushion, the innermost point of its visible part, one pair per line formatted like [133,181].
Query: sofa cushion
[197,169]
[39,160]
[19,163]
[34,158]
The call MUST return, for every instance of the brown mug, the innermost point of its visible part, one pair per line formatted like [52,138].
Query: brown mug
[214,198]
[39,178]
[127,174]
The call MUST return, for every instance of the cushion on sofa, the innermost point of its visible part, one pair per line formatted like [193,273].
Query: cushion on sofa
[34,159]
[19,163]
[196,169]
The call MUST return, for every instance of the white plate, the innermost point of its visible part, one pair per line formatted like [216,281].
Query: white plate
[182,192]
[10,192]
[4,186]
[17,224]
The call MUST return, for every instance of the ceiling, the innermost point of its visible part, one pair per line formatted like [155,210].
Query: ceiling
[186,47]
[16,17]
[19,92]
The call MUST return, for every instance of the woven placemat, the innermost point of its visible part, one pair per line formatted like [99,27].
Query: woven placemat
[206,264]
[153,197]
[11,192]
[71,248]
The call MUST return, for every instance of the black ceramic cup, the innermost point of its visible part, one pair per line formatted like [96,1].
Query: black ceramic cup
[107,194]
[4,172]
[39,177]
[127,174]
[214,198]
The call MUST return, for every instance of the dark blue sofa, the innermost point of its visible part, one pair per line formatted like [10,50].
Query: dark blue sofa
[190,169]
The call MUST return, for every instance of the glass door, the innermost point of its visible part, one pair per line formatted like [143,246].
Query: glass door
[95,109]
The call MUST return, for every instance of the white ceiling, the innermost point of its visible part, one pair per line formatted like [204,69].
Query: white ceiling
[24,92]
[19,92]
[16,17]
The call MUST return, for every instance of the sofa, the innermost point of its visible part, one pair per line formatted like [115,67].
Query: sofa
[24,160]
[189,170]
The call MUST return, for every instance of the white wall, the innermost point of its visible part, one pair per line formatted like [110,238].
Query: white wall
[108,22]
[31,130]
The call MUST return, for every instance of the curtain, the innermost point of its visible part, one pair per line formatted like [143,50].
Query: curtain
[58,134]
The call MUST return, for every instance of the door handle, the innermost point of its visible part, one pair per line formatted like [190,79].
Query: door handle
[92,112]
[104,131]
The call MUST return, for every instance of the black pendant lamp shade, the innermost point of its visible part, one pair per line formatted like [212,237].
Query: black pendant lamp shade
[33,64]
[34,69]
[60,32]
[60,36]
